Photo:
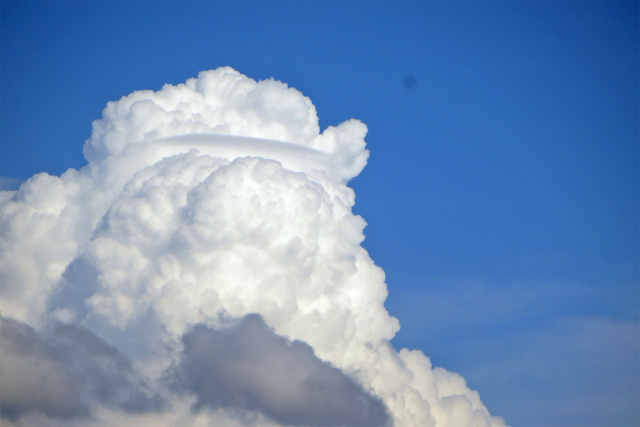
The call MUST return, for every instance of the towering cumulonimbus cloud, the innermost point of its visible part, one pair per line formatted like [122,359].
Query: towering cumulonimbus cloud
[205,268]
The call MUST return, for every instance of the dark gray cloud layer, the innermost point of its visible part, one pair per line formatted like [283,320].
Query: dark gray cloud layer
[250,367]
[63,372]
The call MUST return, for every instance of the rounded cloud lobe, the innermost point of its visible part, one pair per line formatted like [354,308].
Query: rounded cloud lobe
[210,202]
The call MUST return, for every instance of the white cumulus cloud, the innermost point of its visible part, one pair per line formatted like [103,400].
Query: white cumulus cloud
[209,257]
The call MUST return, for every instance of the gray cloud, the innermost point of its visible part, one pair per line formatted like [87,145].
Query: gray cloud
[63,372]
[250,367]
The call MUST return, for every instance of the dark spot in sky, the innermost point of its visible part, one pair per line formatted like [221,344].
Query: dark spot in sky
[410,81]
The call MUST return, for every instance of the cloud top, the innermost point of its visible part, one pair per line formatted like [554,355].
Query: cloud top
[225,102]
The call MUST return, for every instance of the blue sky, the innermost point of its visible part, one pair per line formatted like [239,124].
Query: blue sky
[502,188]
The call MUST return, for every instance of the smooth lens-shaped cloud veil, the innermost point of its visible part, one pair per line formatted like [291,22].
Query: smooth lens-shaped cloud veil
[205,268]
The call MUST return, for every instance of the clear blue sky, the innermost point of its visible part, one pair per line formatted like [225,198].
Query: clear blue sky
[502,191]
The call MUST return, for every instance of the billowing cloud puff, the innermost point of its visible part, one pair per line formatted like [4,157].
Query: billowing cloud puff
[203,202]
